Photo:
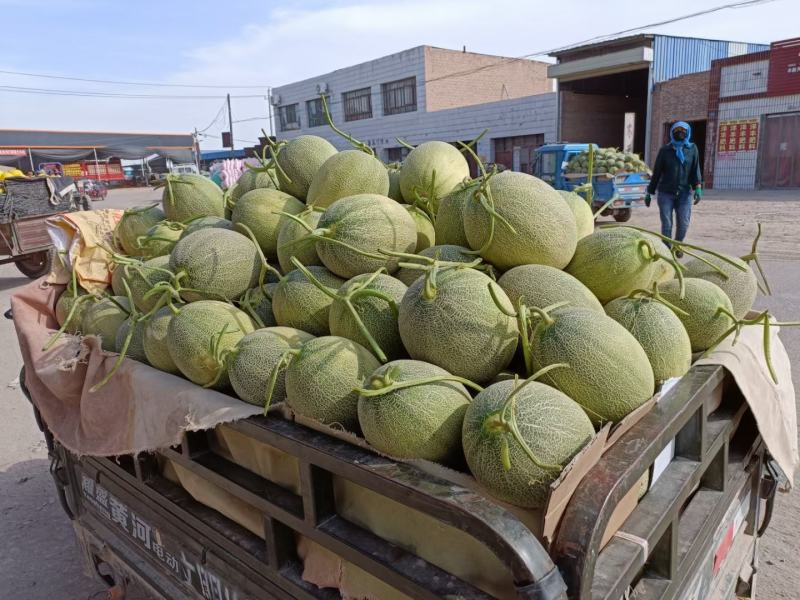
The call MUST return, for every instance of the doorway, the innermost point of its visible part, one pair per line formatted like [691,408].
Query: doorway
[779,155]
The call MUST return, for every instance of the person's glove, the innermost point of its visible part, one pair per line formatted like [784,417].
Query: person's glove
[698,194]
[647,200]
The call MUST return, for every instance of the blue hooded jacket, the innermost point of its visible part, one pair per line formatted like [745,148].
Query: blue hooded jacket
[677,166]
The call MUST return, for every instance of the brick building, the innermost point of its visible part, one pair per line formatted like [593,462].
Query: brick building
[754,115]
[428,93]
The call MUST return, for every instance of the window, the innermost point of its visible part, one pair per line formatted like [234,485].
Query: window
[289,119]
[316,116]
[399,96]
[357,104]
[396,154]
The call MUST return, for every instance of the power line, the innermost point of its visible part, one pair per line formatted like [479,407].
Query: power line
[139,83]
[216,118]
[89,94]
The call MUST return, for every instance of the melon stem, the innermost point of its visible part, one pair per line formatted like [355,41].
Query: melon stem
[642,294]
[265,266]
[358,145]
[132,317]
[71,315]
[704,260]
[753,256]
[504,422]
[400,385]
[605,205]
[404,143]
[281,365]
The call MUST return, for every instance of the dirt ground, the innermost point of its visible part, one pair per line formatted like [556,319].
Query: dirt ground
[39,559]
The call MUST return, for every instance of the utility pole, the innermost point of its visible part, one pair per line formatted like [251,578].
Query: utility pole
[230,123]
[269,110]
[196,149]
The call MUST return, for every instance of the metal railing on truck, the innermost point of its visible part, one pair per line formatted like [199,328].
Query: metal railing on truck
[718,453]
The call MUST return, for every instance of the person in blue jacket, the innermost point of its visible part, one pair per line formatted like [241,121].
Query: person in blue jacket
[677,179]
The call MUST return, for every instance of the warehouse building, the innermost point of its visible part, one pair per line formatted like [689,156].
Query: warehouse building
[754,114]
[428,93]
[637,84]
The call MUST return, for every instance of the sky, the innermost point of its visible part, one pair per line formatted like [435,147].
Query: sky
[261,44]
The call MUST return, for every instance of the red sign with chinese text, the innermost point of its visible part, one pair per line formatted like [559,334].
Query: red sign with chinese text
[737,136]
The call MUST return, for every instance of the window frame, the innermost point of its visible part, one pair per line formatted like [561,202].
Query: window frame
[389,94]
[312,122]
[282,122]
[366,92]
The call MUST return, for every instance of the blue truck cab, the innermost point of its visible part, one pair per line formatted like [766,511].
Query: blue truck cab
[627,189]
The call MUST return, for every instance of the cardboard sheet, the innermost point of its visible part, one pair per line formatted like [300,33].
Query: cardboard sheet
[140,409]
[773,405]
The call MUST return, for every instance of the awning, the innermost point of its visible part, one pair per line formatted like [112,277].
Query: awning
[63,146]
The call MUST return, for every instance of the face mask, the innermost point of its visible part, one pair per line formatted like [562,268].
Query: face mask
[679,135]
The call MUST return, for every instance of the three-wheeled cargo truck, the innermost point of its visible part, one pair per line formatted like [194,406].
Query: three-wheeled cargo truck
[205,520]
[626,189]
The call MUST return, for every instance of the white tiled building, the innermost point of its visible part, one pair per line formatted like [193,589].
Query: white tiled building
[427,93]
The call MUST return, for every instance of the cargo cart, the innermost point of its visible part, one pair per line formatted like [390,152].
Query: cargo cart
[693,535]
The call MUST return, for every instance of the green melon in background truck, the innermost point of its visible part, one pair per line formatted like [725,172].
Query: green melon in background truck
[618,175]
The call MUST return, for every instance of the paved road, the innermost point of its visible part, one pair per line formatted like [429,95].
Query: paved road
[39,558]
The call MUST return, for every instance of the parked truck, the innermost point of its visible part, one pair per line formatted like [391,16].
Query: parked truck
[627,189]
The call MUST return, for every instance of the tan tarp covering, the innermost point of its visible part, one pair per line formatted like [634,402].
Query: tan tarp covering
[140,409]
[79,238]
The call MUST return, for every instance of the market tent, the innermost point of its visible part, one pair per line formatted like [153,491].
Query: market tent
[21,146]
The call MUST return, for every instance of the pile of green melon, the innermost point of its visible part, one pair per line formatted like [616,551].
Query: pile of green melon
[607,160]
[479,322]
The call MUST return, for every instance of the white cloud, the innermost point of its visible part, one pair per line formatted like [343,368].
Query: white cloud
[289,44]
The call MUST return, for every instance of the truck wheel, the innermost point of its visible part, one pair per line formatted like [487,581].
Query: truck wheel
[622,215]
[36,265]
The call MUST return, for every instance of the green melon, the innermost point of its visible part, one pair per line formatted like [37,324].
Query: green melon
[609,374]
[584,218]
[154,341]
[423,421]
[118,275]
[455,324]
[64,305]
[299,161]
[658,330]
[378,316]
[702,300]
[450,216]
[258,210]
[134,223]
[141,279]
[188,196]
[347,173]
[199,329]
[394,183]
[257,302]
[104,317]
[662,270]
[542,286]
[426,234]
[432,170]
[215,264]
[297,303]
[135,348]
[545,228]
[367,222]
[322,378]
[741,287]
[289,231]
[552,425]
[160,239]
[445,252]
[248,181]
[613,261]
[204,223]
[251,363]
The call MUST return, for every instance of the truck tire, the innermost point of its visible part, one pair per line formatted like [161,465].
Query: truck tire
[37,264]
[622,215]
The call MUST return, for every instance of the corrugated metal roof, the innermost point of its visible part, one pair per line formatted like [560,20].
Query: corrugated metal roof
[676,56]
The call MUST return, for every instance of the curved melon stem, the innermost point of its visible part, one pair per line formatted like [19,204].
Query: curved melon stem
[247,303]
[677,267]
[358,145]
[71,315]
[220,357]
[281,365]
[655,295]
[404,143]
[504,422]
[265,266]
[600,210]
[322,234]
[753,257]
[423,204]
[678,245]
[762,319]
[268,166]
[132,316]
[707,262]
[471,145]
[388,384]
